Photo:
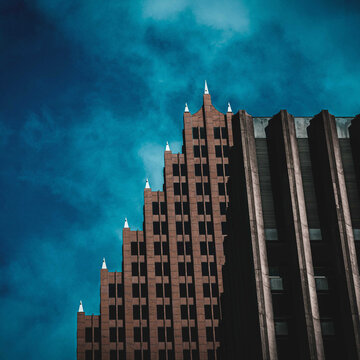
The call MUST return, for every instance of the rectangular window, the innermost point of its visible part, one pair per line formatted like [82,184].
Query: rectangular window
[183,170]
[186,208]
[223,208]
[188,248]
[182,288]
[224,228]
[221,188]
[204,269]
[203,151]
[191,290]
[206,289]
[187,227]
[218,151]
[214,290]
[134,248]
[208,208]
[315,234]
[156,228]
[195,132]
[144,312]
[179,229]
[176,171]
[167,290]
[163,208]
[207,188]
[164,228]
[143,290]
[143,269]
[196,151]
[184,188]
[169,334]
[177,208]
[185,334]
[157,248]
[226,169]
[216,311]
[210,227]
[176,189]
[159,290]
[137,334]
[200,207]
[168,312]
[216,132]
[199,189]
[165,248]
[226,151]
[219,170]
[276,283]
[209,334]
[135,290]
[137,354]
[120,290]
[161,334]
[136,312]
[192,311]
[96,334]
[134,269]
[112,312]
[88,334]
[121,333]
[160,312]
[120,312]
[180,248]
[189,269]
[112,290]
[207,309]
[271,235]
[193,333]
[184,312]
[112,334]
[88,355]
[327,327]
[224,132]
[356,234]
[205,169]
[142,248]
[201,227]
[197,170]
[155,208]
[211,248]
[321,283]
[281,328]
[202,133]
[181,267]
[203,249]
[158,269]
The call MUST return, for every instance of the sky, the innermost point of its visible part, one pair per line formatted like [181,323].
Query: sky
[90,93]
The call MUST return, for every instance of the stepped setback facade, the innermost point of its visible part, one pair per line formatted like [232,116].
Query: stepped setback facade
[251,250]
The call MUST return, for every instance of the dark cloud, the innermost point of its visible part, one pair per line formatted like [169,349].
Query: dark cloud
[90,94]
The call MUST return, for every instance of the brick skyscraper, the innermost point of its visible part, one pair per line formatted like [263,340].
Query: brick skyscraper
[165,304]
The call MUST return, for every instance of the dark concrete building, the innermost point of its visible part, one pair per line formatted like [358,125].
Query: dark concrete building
[165,303]
[291,278]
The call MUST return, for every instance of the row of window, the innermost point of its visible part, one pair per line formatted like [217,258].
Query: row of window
[196,131]
[327,327]
[201,188]
[180,229]
[220,151]
[277,283]
[205,167]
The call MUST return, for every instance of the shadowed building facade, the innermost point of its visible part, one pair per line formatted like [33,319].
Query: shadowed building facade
[291,278]
[165,303]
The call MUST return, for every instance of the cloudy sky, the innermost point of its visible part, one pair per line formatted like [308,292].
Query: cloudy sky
[90,93]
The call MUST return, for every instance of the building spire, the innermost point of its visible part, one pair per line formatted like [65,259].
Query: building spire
[147,185]
[126,225]
[104,264]
[206,91]
[186,108]
[167,148]
[81,309]
[229,108]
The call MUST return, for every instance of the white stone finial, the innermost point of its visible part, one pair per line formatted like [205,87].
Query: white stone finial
[147,185]
[167,148]
[229,108]
[126,225]
[81,309]
[104,264]
[186,108]
[206,91]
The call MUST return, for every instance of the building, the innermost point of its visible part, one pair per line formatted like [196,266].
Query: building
[165,303]
[291,278]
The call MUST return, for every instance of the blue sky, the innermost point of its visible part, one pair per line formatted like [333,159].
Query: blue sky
[90,93]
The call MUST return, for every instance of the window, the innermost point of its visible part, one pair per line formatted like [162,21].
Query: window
[216,311]
[205,169]
[112,312]
[159,290]
[168,312]
[180,248]
[163,208]
[193,334]
[181,267]
[197,170]
[271,235]
[226,151]
[191,290]
[208,208]
[143,269]
[210,227]
[216,132]
[204,151]
[120,290]
[223,208]
[206,289]
[201,227]
[137,334]
[178,208]
[88,334]
[327,327]
[192,311]
[156,228]
[226,169]
[169,334]
[144,311]
[200,207]
[186,354]
[207,188]
[199,189]
[88,355]
[137,354]
[134,248]
[188,248]
[176,189]
[164,228]
[183,169]
[142,248]
[211,248]
[167,290]
[121,354]
[143,290]
[202,133]
[356,234]
[281,328]
[182,290]
[276,283]
[161,334]
[158,269]
[211,355]
[120,312]
[321,283]
[224,228]
[207,311]
[221,188]
[214,290]
[203,249]
[112,290]
[97,355]
[134,269]
[96,334]
[219,170]
[185,334]
[218,151]
[121,333]
[135,290]
[162,354]
[187,228]
[204,269]
[176,171]
[209,334]
[179,229]
[155,208]
[113,334]
[315,234]
[184,187]
[213,269]
[217,334]
[160,312]
[184,312]
[189,268]
[186,208]
[196,151]
[165,248]
[224,132]
[195,132]
[157,248]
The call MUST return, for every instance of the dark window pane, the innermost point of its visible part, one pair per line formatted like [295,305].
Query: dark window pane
[188,248]
[156,228]
[210,227]
[88,334]
[182,290]
[134,269]
[135,290]
[184,188]
[211,248]
[137,353]
[200,207]
[144,311]
[191,290]
[113,334]
[218,151]
[219,170]
[181,267]
[199,189]
[142,248]
[159,290]
[161,334]
[202,133]
[207,188]
[205,169]
[112,312]
[160,312]
[176,171]
[213,269]
[223,208]
[195,132]
[183,169]
[187,227]
[136,312]
[120,290]
[204,269]
[185,334]
[226,151]
[179,229]
[143,269]
[121,333]
[186,355]
[96,334]
[216,132]
[162,354]
[168,311]
[112,354]
[227,169]
[206,289]
[120,312]
[216,312]
[186,208]
[209,334]
[208,208]
[224,228]
[111,290]
[192,311]
[189,269]
[163,208]
[134,248]
[178,208]
[203,249]
[203,151]
[169,334]
[180,248]
[143,290]
[217,334]
[197,170]
[207,311]
[158,269]
[184,312]
[164,229]
[167,290]
[155,208]
[157,248]
[201,227]
[145,332]
[224,132]
[221,188]
[196,151]
[165,248]
[89,355]
[193,334]
[176,188]
[214,290]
